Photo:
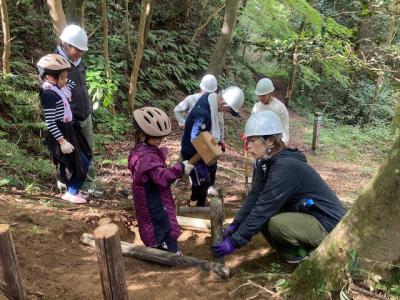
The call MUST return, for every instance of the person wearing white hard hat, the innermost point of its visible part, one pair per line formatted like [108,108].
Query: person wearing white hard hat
[266,101]
[209,85]
[74,44]
[289,202]
[200,119]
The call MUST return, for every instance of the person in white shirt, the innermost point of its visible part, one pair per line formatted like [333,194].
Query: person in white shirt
[209,85]
[263,90]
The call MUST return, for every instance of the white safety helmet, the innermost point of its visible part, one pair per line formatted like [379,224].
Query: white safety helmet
[263,123]
[209,83]
[264,86]
[75,36]
[233,96]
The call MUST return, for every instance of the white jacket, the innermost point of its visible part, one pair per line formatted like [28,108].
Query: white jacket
[183,109]
[280,109]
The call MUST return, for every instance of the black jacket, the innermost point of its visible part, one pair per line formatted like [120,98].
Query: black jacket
[282,184]
[80,101]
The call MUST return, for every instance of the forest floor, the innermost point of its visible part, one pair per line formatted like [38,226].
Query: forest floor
[55,265]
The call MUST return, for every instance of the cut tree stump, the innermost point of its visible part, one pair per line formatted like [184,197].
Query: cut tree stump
[10,278]
[217,221]
[163,257]
[194,223]
[111,263]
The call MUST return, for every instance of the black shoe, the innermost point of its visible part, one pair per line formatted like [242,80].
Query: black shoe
[296,259]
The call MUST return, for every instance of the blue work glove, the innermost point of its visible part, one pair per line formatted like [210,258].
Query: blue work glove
[224,248]
[230,229]
[200,174]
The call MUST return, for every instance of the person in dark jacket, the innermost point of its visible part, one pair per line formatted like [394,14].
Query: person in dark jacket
[151,181]
[70,150]
[74,44]
[198,120]
[289,202]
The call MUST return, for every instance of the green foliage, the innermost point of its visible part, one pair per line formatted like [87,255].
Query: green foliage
[23,167]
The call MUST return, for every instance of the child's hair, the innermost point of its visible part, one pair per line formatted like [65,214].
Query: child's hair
[138,135]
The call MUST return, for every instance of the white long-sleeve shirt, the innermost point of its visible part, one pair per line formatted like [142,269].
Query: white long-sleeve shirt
[279,108]
[183,109]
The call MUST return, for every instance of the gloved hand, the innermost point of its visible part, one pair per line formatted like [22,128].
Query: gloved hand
[200,174]
[66,147]
[222,145]
[224,248]
[230,229]
[188,167]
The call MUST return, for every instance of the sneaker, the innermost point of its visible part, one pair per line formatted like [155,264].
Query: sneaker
[84,196]
[212,191]
[296,259]
[73,198]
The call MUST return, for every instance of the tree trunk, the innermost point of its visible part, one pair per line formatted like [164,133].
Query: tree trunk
[129,53]
[368,237]
[57,15]
[218,57]
[144,15]
[295,64]
[105,49]
[74,11]
[6,37]
[200,28]
[378,89]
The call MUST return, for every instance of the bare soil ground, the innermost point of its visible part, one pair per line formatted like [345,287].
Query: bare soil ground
[55,265]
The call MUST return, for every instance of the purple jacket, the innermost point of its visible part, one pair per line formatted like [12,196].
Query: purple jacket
[152,196]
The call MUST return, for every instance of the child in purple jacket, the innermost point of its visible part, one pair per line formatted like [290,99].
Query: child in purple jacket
[151,180]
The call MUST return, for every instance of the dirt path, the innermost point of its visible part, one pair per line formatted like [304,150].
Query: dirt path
[54,265]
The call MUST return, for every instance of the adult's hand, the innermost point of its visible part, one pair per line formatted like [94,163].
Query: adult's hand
[230,229]
[223,248]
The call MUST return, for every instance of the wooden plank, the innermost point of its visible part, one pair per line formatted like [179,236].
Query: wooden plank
[217,221]
[111,263]
[163,257]
[194,223]
[10,278]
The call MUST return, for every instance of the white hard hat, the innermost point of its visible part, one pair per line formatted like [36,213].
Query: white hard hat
[75,36]
[264,86]
[263,123]
[234,97]
[209,83]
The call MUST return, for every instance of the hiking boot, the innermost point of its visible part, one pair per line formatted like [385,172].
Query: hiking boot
[73,198]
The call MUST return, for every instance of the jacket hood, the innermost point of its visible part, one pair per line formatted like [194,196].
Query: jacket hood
[144,149]
[289,152]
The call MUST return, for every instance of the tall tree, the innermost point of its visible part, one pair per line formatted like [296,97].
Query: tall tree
[6,37]
[144,25]
[105,48]
[74,11]
[368,237]
[218,57]
[57,15]
[129,53]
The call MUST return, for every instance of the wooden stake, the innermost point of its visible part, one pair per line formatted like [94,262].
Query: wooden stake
[163,257]
[111,263]
[10,278]
[317,125]
[217,220]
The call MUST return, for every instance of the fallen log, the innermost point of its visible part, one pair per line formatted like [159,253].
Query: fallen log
[194,223]
[163,257]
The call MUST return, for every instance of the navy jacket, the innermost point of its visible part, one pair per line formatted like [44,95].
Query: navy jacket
[282,184]
[198,120]
[80,101]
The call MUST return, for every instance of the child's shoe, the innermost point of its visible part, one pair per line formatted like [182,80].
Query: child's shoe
[73,198]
